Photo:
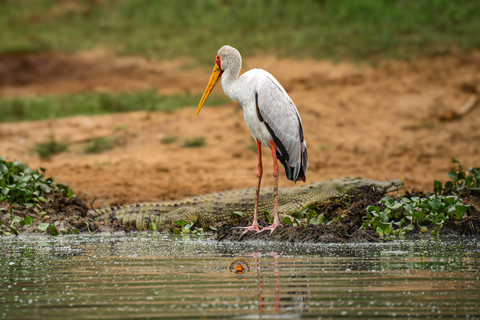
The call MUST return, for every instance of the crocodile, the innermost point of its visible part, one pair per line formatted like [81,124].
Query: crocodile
[207,210]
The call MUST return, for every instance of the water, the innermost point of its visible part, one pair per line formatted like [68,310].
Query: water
[150,275]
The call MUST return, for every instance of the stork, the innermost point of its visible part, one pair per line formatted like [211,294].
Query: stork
[270,115]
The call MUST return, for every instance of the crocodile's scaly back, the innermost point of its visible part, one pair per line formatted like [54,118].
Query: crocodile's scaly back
[208,210]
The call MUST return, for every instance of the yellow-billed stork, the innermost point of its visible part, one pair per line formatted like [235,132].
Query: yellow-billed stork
[270,115]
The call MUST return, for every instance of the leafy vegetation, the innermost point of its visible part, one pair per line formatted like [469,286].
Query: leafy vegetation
[165,29]
[20,185]
[463,183]
[400,215]
[44,107]
[12,228]
[186,227]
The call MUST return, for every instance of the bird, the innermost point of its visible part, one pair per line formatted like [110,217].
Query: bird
[271,116]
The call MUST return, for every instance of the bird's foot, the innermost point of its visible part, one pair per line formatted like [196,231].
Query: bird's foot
[271,228]
[253,227]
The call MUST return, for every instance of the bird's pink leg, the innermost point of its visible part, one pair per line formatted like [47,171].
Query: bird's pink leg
[276,173]
[255,226]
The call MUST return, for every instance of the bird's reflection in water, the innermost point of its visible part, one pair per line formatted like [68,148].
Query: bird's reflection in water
[296,300]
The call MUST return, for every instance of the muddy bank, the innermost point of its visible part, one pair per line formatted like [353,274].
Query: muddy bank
[343,221]
[344,217]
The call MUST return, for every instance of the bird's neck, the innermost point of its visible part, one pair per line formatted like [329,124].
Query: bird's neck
[230,81]
[230,75]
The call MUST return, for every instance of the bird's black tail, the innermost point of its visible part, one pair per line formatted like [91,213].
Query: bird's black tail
[289,170]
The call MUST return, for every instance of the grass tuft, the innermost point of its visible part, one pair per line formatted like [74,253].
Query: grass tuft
[194,143]
[50,147]
[101,144]
[168,139]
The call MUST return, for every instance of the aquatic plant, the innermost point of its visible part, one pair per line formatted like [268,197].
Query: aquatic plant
[462,183]
[401,215]
[20,185]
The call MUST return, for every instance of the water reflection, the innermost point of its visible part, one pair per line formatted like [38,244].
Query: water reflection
[161,276]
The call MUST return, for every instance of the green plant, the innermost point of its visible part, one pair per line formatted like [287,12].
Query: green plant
[237,214]
[194,143]
[402,214]
[168,139]
[98,145]
[153,226]
[12,229]
[289,221]
[185,227]
[462,183]
[50,147]
[20,185]
[47,227]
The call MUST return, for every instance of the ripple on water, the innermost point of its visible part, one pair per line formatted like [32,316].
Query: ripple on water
[163,276]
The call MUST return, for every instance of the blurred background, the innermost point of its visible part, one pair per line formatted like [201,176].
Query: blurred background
[380,86]
[356,30]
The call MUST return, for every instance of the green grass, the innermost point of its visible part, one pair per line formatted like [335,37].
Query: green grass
[44,107]
[164,29]
[50,147]
[194,143]
[98,145]
[168,139]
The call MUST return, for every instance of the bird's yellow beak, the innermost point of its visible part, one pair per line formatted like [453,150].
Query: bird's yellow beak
[216,74]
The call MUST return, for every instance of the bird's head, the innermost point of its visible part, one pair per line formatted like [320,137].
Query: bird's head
[227,57]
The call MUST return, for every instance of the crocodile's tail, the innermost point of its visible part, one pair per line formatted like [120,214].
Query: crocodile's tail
[101,214]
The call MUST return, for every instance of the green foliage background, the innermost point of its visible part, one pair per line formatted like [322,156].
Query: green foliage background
[164,29]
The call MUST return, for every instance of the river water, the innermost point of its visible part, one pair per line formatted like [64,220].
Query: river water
[157,276]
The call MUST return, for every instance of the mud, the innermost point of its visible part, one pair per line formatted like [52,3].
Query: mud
[68,216]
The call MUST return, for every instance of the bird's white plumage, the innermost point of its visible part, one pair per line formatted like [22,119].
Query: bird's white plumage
[276,108]
[270,115]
